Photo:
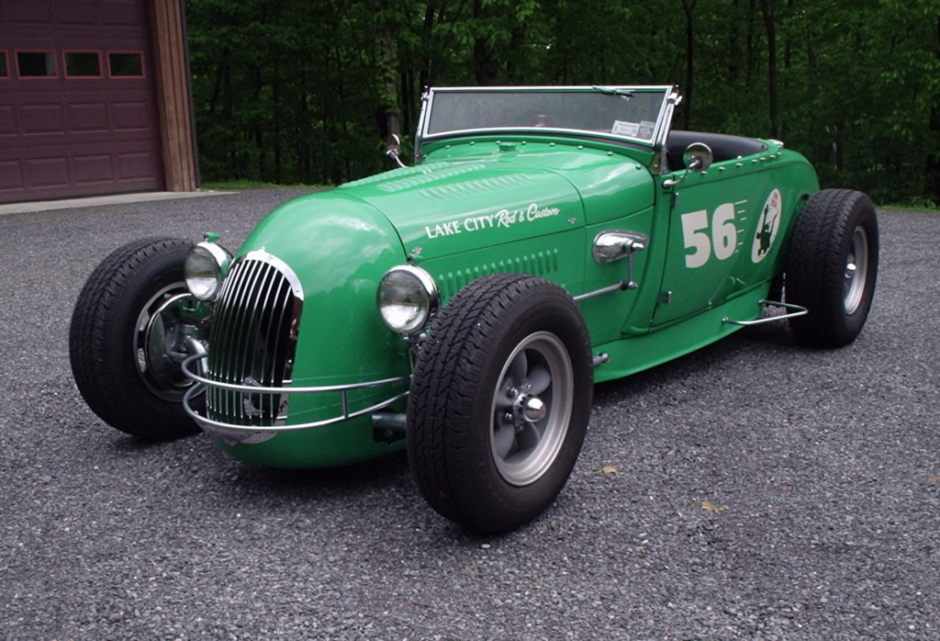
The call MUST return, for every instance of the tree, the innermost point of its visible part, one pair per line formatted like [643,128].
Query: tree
[309,90]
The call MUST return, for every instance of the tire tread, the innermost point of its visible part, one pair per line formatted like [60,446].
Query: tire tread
[94,322]
[816,264]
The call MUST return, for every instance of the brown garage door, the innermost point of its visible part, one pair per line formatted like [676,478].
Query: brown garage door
[78,111]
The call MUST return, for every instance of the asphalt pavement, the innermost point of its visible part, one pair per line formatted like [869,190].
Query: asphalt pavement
[753,490]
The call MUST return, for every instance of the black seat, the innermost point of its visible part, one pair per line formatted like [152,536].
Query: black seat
[723,146]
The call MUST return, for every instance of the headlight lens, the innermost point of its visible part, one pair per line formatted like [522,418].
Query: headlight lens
[407,298]
[206,265]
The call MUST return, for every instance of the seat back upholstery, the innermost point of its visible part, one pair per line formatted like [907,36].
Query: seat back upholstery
[723,146]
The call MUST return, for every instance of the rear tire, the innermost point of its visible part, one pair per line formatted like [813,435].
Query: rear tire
[832,267]
[126,339]
[500,401]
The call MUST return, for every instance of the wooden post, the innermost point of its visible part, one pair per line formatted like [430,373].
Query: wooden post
[174,101]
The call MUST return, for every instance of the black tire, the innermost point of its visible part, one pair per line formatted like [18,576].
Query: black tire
[502,341]
[125,339]
[832,267]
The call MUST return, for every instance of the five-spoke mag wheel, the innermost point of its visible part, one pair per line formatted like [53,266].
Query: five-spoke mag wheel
[500,401]
[531,408]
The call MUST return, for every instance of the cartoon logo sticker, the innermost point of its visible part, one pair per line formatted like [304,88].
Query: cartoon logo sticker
[767,227]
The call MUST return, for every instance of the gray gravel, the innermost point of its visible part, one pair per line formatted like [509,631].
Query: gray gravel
[754,490]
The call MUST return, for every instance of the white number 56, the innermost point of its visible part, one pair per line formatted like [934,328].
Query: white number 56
[723,238]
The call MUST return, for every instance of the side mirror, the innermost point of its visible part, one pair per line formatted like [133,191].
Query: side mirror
[394,149]
[698,157]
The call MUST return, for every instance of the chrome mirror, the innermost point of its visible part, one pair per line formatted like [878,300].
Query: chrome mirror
[698,157]
[394,149]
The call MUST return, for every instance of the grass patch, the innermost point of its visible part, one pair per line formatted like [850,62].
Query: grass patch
[920,204]
[236,185]
[921,209]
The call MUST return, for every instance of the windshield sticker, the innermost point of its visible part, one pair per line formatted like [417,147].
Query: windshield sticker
[622,128]
[767,227]
[643,129]
[504,218]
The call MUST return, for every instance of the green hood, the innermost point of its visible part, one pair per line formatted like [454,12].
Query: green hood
[472,196]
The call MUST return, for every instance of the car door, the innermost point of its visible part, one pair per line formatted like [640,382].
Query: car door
[721,226]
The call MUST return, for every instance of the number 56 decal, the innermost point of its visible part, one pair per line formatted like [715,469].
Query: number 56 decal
[722,239]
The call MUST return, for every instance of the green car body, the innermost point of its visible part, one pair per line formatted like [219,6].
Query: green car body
[533,204]
[665,241]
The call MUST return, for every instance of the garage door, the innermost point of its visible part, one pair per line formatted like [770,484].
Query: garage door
[78,112]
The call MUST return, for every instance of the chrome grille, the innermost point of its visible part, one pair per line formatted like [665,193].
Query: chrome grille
[253,342]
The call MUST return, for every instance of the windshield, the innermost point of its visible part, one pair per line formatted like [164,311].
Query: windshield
[635,113]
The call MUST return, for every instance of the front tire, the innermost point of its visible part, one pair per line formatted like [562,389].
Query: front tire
[128,334]
[500,401]
[832,267]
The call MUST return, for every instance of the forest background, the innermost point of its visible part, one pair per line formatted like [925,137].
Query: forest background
[308,91]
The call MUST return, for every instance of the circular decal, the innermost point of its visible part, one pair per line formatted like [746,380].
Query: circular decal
[767,227]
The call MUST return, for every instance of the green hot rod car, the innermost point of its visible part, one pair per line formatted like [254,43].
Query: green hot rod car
[546,238]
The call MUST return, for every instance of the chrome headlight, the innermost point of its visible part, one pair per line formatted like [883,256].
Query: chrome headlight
[407,298]
[205,267]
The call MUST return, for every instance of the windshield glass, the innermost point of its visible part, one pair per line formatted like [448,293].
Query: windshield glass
[636,113]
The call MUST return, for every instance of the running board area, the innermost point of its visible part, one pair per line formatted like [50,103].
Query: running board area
[792,312]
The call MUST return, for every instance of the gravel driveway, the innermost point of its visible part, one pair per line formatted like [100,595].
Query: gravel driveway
[753,490]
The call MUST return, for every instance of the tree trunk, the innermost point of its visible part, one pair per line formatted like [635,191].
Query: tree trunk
[933,151]
[688,7]
[769,9]
[484,66]
[390,83]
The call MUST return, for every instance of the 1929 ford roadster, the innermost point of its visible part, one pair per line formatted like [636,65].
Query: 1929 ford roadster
[463,308]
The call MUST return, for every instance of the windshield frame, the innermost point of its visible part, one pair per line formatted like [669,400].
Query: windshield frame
[671,98]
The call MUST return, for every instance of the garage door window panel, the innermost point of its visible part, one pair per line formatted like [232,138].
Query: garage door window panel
[4,70]
[36,64]
[82,64]
[126,64]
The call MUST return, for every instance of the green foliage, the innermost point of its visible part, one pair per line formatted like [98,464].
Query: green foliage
[307,91]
